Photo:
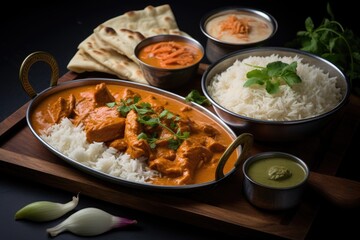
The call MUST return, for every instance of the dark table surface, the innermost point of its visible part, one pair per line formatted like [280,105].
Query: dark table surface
[58,28]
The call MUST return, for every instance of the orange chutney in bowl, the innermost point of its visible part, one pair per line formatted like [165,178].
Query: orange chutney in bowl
[170,54]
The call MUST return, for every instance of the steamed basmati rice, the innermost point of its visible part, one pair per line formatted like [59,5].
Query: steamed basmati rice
[316,94]
[71,141]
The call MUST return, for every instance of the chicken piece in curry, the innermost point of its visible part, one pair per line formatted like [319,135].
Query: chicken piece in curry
[182,144]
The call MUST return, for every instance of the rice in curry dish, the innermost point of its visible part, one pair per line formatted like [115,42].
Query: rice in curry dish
[133,134]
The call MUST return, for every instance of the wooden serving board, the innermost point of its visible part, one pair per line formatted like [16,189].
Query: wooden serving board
[222,207]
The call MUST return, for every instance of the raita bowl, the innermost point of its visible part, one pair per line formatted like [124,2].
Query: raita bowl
[232,28]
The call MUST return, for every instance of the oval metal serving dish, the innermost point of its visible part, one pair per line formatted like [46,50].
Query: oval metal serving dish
[241,144]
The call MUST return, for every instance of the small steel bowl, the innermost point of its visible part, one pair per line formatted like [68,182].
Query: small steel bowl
[269,130]
[217,48]
[269,197]
[168,78]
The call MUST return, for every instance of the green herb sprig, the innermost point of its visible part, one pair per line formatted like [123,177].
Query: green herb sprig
[147,116]
[195,96]
[273,75]
[333,42]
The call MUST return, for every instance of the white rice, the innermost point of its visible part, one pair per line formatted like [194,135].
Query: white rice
[316,94]
[71,141]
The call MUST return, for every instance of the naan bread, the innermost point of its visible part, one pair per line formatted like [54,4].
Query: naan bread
[122,66]
[110,48]
[124,32]
[82,62]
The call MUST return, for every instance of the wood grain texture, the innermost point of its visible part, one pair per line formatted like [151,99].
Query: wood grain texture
[340,191]
[222,207]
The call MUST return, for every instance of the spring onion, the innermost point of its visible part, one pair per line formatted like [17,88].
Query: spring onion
[90,222]
[45,210]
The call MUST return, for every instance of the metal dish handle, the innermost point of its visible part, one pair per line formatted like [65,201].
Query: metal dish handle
[29,61]
[245,140]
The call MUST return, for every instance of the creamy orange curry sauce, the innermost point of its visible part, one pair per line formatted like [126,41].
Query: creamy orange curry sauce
[180,142]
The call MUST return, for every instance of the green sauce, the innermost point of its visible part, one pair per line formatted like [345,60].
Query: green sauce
[261,171]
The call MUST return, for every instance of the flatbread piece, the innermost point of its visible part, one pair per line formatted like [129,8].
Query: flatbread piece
[110,48]
[121,65]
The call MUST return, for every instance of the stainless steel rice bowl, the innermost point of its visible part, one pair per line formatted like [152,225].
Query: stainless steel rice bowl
[271,130]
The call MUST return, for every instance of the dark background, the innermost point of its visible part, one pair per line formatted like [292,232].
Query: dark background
[58,27]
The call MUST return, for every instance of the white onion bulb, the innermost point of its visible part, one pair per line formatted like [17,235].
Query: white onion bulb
[90,222]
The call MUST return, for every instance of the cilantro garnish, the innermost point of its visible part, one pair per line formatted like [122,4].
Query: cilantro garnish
[195,96]
[273,75]
[150,139]
[333,42]
[148,117]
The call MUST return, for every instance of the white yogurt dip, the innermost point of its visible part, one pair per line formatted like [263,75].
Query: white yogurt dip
[238,28]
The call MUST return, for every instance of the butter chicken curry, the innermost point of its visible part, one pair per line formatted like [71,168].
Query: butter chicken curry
[180,142]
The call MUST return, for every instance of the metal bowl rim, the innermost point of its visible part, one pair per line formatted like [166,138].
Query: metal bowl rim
[144,186]
[263,155]
[205,81]
[258,12]
[168,37]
